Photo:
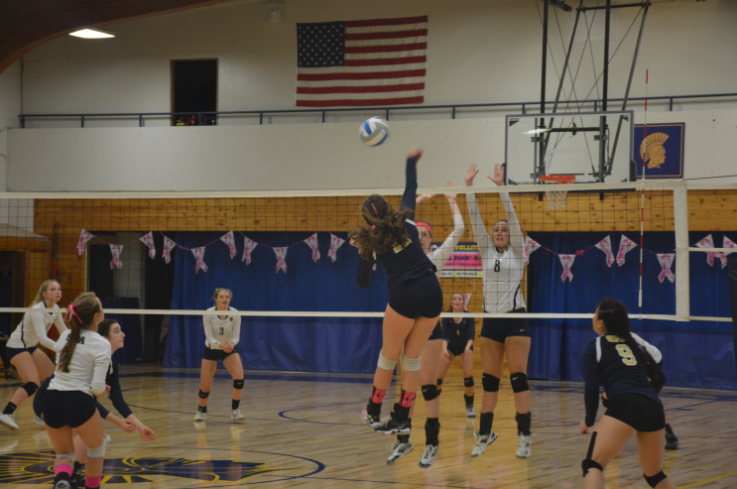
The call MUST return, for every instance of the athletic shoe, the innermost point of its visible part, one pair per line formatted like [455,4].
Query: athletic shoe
[524,449]
[78,479]
[482,441]
[394,427]
[428,458]
[236,415]
[8,420]
[671,441]
[470,413]
[200,416]
[400,450]
[64,482]
[373,421]
[39,422]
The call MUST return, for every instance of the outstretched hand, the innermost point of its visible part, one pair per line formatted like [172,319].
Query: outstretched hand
[415,153]
[449,196]
[498,177]
[423,197]
[471,174]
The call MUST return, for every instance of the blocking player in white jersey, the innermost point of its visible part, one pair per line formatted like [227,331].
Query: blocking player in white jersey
[83,359]
[502,257]
[32,364]
[222,335]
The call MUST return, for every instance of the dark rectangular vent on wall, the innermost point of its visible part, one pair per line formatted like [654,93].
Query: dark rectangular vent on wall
[194,91]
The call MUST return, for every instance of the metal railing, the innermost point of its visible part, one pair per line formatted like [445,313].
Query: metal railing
[202,116]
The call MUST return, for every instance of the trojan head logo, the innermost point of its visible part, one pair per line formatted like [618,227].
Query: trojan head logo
[652,150]
[38,468]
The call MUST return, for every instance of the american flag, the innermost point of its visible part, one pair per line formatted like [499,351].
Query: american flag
[361,63]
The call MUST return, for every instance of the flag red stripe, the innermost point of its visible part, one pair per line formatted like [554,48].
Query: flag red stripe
[369,89]
[360,103]
[385,61]
[375,22]
[385,49]
[385,35]
[361,76]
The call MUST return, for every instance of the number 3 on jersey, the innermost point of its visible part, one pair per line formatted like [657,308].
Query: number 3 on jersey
[628,358]
[222,331]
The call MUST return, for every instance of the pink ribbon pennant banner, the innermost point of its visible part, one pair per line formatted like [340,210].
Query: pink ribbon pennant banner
[312,243]
[168,246]
[466,298]
[229,240]
[567,262]
[605,245]
[199,255]
[281,256]
[116,250]
[530,246]
[666,261]
[250,245]
[148,240]
[708,242]
[335,243]
[727,243]
[84,236]
[625,246]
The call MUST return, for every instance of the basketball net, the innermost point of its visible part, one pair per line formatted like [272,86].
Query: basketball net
[556,198]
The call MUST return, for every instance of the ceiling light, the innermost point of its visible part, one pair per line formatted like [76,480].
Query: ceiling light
[92,33]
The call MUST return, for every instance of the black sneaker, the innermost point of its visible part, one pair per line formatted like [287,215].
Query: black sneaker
[372,420]
[395,427]
[62,481]
[671,441]
[78,480]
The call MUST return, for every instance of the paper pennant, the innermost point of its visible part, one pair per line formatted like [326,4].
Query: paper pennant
[530,246]
[281,256]
[335,243]
[625,246]
[666,261]
[229,240]
[148,240]
[708,242]
[250,245]
[312,243]
[726,243]
[605,245]
[199,255]
[116,250]
[567,262]
[168,246]
[84,236]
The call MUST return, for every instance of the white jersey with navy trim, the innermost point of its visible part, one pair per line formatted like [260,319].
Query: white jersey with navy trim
[502,272]
[218,330]
[88,367]
[34,327]
[441,255]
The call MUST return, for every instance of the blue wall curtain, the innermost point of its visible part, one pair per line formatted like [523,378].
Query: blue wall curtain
[696,354]
[349,345]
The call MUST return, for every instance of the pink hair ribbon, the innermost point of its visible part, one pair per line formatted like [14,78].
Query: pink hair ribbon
[71,312]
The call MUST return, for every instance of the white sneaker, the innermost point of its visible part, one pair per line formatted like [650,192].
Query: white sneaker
[400,450]
[236,415]
[8,420]
[200,416]
[39,422]
[428,458]
[524,449]
[482,441]
[470,413]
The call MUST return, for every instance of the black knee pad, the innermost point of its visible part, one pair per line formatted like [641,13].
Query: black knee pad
[490,383]
[30,388]
[440,382]
[468,382]
[203,395]
[590,464]
[238,384]
[430,392]
[519,382]
[656,479]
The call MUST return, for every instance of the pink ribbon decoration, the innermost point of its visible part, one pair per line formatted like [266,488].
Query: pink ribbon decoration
[312,243]
[666,261]
[281,256]
[229,240]
[199,255]
[605,245]
[335,243]
[84,236]
[625,246]
[116,250]
[148,240]
[250,245]
[727,243]
[530,246]
[466,298]
[708,242]
[567,262]
[168,246]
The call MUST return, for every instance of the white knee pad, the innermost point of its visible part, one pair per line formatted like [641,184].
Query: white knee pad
[97,452]
[70,456]
[385,363]
[410,364]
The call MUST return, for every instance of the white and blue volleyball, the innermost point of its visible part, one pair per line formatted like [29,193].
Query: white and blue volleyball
[374,131]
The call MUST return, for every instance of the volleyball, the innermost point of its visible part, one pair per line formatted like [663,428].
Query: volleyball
[374,131]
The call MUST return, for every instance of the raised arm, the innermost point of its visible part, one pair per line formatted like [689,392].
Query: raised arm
[409,199]
[442,254]
[477,224]
[516,240]
[37,323]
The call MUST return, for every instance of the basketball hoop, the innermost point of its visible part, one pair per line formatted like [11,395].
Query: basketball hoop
[557,198]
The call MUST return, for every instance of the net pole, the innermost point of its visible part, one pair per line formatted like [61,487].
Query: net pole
[642,200]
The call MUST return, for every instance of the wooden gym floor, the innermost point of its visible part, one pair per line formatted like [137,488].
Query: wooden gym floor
[304,431]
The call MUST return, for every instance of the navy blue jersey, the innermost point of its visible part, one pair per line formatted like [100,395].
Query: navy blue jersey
[610,362]
[406,261]
[458,334]
[116,393]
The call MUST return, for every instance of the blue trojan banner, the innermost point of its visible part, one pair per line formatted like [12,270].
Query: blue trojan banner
[660,150]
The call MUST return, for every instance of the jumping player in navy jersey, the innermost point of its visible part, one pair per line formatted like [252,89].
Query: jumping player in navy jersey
[415,297]
[458,335]
[630,377]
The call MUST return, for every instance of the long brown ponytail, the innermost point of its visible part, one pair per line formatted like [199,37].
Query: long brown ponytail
[79,316]
[385,228]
